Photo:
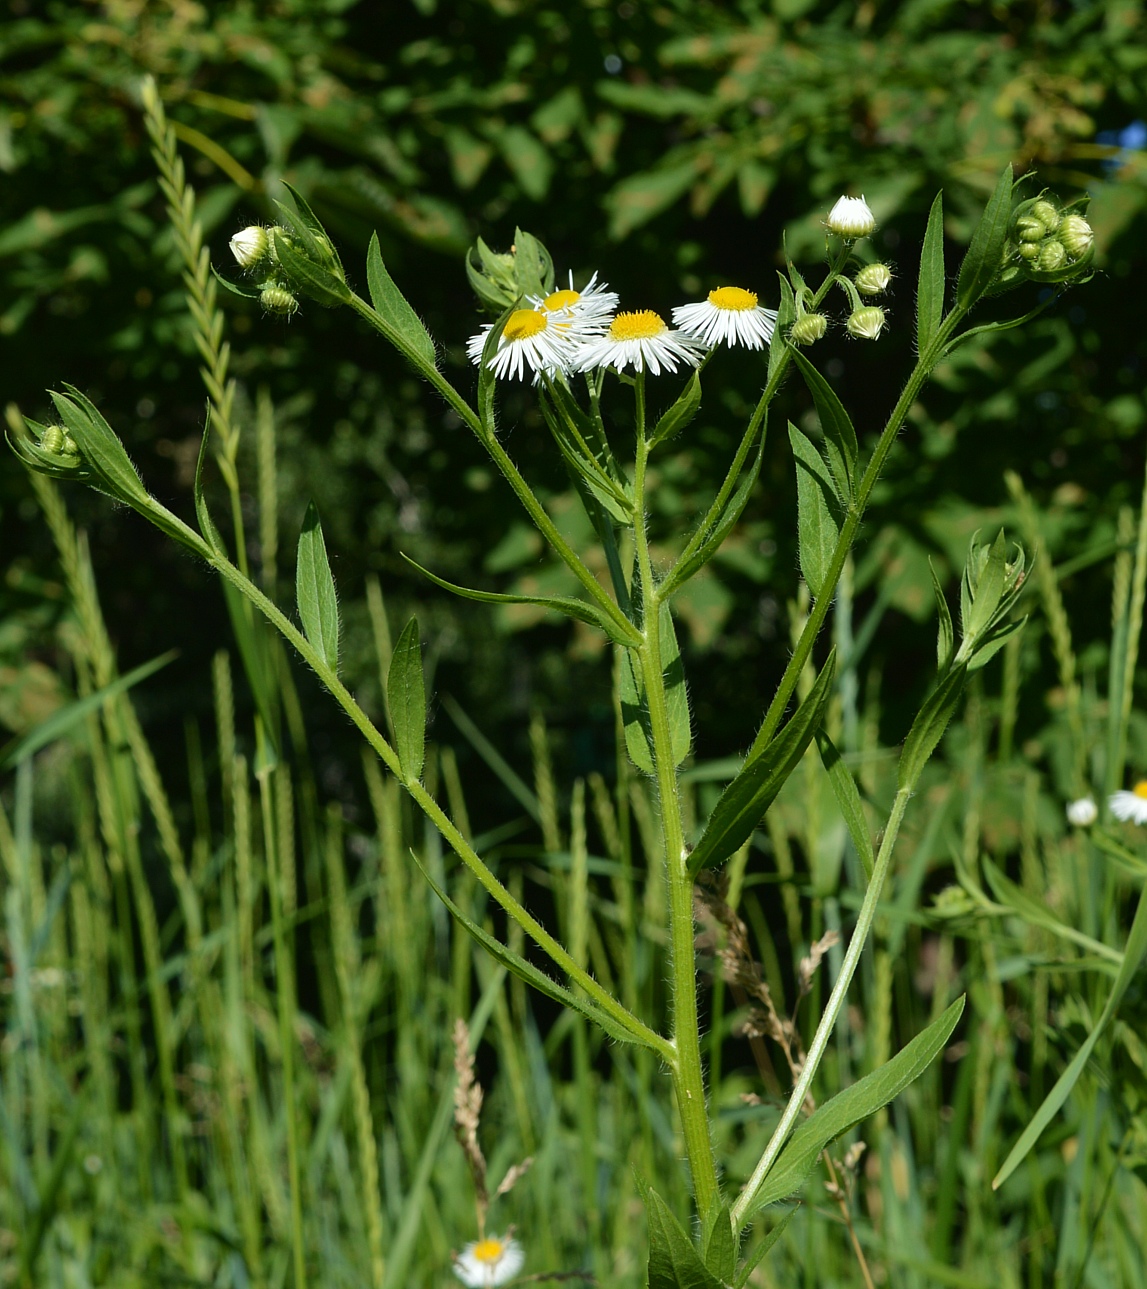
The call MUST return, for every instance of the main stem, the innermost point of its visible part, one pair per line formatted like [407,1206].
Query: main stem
[688,1075]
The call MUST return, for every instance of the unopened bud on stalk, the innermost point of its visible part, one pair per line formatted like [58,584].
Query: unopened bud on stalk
[1046,213]
[1029,229]
[866,323]
[850,218]
[1052,256]
[1029,251]
[808,329]
[1076,236]
[873,279]
[250,246]
[277,299]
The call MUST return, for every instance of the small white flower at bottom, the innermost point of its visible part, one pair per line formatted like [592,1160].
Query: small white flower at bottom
[492,1261]
[851,218]
[1083,813]
[1130,807]
[528,340]
[639,340]
[730,316]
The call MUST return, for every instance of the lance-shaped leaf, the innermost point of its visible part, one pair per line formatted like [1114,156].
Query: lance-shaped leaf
[852,1106]
[930,288]
[945,636]
[570,429]
[674,1262]
[818,511]
[529,973]
[1133,954]
[400,324]
[984,258]
[929,726]
[718,1243]
[763,1249]
[112,470]
[315,591]
[680,414]
[786,316]
[635,705]
[315,280]
[571,608]
[406,701]
[840,436]
[533,265]
[744,802]
[848,799]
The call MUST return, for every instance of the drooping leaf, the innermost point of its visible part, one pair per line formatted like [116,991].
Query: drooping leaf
[406,699]
[402,325]
[848,799]
[1133,954]
[674,1263]
[315,591]
[840,436]
[680,413]
[743,803]
[929,726]
[527,971]
[635,706]
[983,260]
[930,289]
[818,511]
[579,609]
[853,1106]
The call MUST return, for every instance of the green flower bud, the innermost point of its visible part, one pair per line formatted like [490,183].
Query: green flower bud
[866,323]
[277,299]
[1076,236]
[1029,251]
[1029,229]
[1052,256]
[52,440]
[808,329]
[1046,213]
[873,279]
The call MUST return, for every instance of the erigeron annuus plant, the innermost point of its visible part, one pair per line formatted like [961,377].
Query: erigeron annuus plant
[569,344]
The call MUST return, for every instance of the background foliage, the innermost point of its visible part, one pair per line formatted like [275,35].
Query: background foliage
[670,147]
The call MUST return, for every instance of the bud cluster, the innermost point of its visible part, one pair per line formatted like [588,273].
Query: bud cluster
[1047,243]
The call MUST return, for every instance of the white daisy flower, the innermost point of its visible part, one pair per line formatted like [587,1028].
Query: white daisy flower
[488,1262]
[850,218]
[730,316]
[1083,813]
[1131,807]
[642,339]
[530,339]
[581,313]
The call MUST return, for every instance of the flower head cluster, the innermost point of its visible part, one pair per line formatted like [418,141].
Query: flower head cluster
[1047,243]
[571,331]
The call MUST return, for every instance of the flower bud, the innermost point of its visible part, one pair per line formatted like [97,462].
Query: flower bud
[1029,229]
[250,245]
[1076,236]
[850,218]
[808,329]
[1083,813]
[873,279]
[866,323]
[52,440]
[277,299]
[1046,213]
[1052,256]
[1029,251]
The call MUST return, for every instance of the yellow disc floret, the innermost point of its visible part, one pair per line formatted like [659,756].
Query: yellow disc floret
[1140,789]
[732,298]
[489,1250]
[560,300]
[524,323]
[642,325]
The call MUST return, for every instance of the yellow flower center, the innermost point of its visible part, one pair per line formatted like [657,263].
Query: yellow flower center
[561,300]
[732,298]
[489,1250]
[1140,789]
[524,323]
[643,325]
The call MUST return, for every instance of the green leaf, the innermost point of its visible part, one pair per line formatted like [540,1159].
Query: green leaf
[994,641]
[840,446]
[66,718]
[528,160]
[406,699]
[487,381]
[253,636]
[763,1249]
[983,260]
[848,799]
[574,433]
[578,609]
[930,290]
[1036,913]
[680,414]
[635,707]
[533,264]
[319,283]
[401,325]
[315,591]
[786,316]
[744,802]
[852,1106]
[929,726]
[528,972]
[637,199]
[100,446]
[818,511]
[718,1243]
[945,636]
[673,1261]
[1133,954]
